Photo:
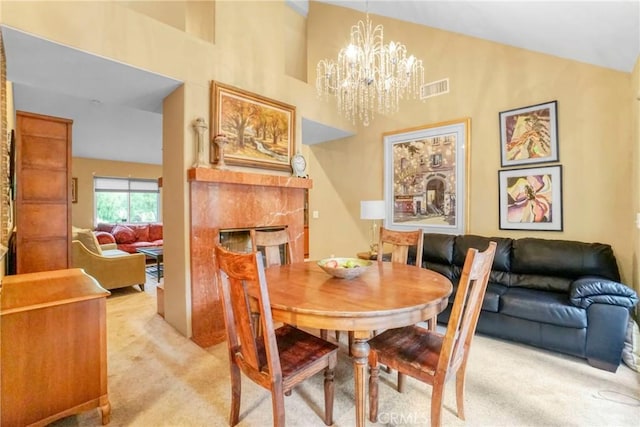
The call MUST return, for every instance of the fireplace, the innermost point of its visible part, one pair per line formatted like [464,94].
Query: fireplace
[224,201]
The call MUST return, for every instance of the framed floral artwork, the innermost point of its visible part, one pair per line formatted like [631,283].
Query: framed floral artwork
[529,135]
[531,198]
[426,179]
[260,131]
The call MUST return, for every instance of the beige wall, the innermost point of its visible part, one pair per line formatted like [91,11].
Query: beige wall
[594,125]
[596,132]
[86,169]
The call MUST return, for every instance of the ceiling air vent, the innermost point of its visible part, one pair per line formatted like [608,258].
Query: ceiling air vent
[436,88]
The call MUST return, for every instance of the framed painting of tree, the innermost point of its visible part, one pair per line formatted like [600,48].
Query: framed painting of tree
[426,180]
[260,131]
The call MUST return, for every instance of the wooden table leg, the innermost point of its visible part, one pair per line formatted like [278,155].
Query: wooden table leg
[360,353]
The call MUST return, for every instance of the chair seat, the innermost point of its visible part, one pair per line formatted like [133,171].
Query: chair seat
[299,349]
[412,346]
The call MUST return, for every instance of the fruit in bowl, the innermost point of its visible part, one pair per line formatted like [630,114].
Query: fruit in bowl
[344,268]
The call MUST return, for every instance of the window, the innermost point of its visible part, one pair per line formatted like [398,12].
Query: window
[126,200]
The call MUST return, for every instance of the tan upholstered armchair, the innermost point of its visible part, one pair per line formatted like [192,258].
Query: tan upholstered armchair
[111,267]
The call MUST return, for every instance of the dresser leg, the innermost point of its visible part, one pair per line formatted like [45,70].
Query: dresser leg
[105,410]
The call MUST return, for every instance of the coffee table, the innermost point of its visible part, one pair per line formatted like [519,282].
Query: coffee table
[156,253]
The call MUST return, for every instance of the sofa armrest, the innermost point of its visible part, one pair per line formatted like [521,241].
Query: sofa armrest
[588,290]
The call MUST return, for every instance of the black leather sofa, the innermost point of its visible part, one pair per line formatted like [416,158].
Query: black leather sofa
[558,295]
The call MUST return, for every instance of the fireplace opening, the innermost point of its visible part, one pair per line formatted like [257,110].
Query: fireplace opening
[239,239]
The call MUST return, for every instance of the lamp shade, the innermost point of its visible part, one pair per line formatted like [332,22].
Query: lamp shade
[372,209]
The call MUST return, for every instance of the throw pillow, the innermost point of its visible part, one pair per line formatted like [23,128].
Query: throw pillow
[631,349]
[124,234]
[88,239]
[155,232]
[104,238]
[141,232]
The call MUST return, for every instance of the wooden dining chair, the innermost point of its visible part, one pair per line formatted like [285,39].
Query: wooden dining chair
[400,242]
[278,359]
[276,246]
[429,356]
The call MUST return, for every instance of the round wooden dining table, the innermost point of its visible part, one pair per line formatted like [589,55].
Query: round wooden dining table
[387,295]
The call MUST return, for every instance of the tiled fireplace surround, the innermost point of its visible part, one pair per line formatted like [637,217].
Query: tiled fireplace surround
[222,200]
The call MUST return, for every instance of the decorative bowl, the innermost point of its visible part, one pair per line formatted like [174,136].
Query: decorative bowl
[344,268]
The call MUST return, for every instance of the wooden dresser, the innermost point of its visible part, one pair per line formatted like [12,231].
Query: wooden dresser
[54,347]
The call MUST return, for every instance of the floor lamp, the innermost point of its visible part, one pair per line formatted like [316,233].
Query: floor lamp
[373,210]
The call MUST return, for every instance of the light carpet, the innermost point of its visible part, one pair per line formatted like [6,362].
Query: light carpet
[157,377]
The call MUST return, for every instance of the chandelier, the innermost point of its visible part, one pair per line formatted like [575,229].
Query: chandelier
[369,77]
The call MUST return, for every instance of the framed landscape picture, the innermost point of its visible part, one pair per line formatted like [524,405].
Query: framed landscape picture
[260,131]
[529,135]
[531,198]
[425,177]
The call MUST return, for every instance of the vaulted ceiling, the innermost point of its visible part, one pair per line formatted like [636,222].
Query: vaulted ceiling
[117,108]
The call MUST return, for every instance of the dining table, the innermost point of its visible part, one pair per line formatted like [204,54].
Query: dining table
[386,295]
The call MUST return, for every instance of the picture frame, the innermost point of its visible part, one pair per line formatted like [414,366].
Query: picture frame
[426,179]
[74,190]
[531,198]
[529,135]
[260,131]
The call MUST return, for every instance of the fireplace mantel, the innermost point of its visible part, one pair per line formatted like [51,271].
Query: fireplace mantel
[228,199]
[246,178]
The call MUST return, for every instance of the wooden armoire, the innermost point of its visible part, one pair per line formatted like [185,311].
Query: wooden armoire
[43,193]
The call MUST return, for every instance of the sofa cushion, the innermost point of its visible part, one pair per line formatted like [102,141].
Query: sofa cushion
[155,232]
[114,252]
[123,234]
[438,248]
[542,306]
[87,238]
[492,296]
[563,258]
[501,262]
[132,247]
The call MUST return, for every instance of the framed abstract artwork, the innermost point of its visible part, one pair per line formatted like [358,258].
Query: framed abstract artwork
[426,177]
[531,198]
[260,131]
[529,135]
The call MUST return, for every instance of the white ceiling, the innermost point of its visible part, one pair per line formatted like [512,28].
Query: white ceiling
[117,108]
[604,33]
